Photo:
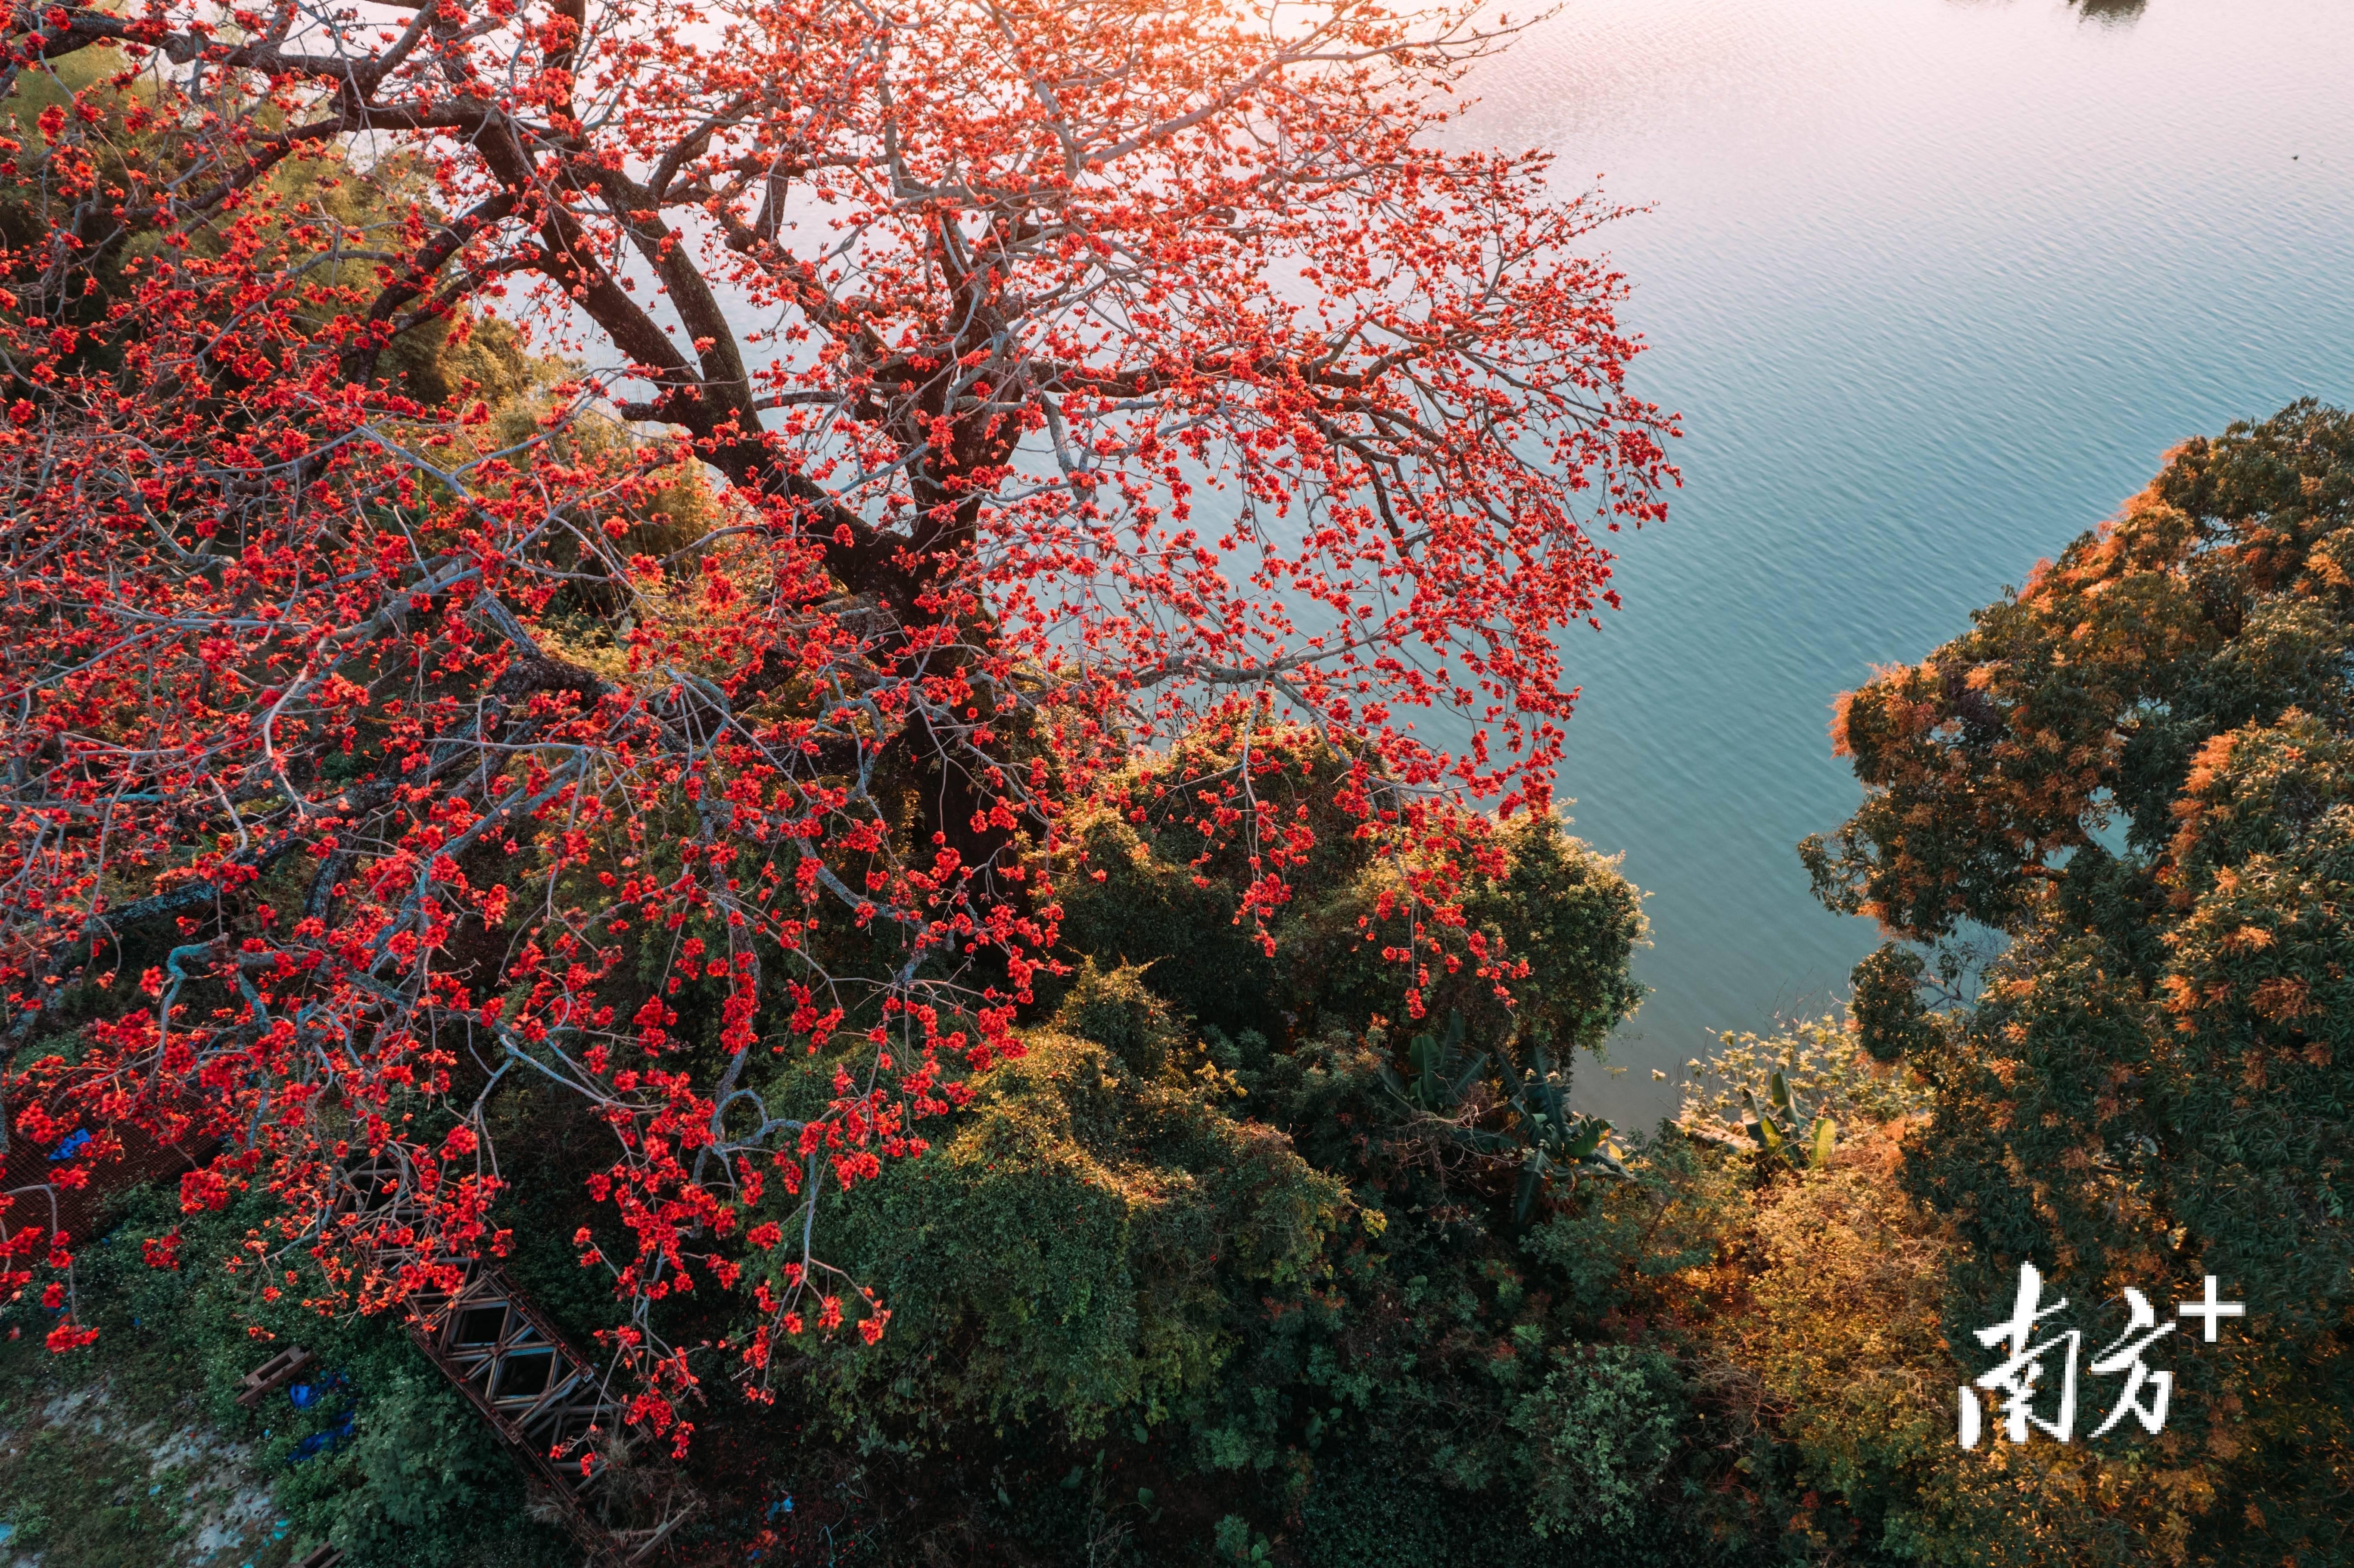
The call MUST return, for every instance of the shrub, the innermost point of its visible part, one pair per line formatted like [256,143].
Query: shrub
[1601,1429]
[1076,1247]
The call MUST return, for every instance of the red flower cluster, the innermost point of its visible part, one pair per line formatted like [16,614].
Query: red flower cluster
[1032,382]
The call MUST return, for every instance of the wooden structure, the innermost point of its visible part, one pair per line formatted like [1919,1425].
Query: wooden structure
[551,1406]
[274,1375]
[30,1169]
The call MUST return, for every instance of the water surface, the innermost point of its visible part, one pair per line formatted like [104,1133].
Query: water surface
[1934,285]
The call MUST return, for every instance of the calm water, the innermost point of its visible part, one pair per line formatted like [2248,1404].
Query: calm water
[1934,285]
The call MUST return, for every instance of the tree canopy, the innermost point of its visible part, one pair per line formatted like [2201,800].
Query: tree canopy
[2135,770]
[611,547]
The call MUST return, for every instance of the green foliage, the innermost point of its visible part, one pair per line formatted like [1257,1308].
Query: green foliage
[1519,1114]
[1556,1142]
[1210,1244]
[1443,1074]
[1076,1248]
[1221,1220]
[1235,1541]
[1601,1429]
[28,207]
[1116,1011]
[1061,1303]
[1362,1513]
[421,1482]
[1752,1089]
[1559,906]
[1423,1355]
[85,1498]
[1650,1245]
[1889,1018]
[310,200]
[2137,768]
[1317,961]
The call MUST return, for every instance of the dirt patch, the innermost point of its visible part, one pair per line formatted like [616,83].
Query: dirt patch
[87,1483]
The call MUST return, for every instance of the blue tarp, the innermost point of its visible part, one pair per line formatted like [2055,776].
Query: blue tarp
[324,1441]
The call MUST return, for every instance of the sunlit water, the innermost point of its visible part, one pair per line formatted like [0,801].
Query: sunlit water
[1934,285]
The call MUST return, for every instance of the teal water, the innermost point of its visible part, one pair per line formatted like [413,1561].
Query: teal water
[1934,285]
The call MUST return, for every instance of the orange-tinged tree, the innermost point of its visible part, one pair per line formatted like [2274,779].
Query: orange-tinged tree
[2136,769]
[925,408]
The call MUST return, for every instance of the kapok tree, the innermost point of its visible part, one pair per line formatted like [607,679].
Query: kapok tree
[1041,377]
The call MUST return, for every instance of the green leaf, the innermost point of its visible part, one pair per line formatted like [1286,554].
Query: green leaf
[1532,1181]
[1769,1135]
[1429,1087]
[1549,1087]
[1780,1089]
[1825,1134]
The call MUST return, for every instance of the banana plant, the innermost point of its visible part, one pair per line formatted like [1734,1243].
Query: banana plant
[1443,1076]
[1547,1136]
[1777,1131]
[1557,1139]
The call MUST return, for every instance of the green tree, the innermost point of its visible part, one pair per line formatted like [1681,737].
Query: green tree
[2137,770]
[1072,1252]
[1548,925]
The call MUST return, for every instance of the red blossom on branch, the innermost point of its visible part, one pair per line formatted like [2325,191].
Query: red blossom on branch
[1046,381]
